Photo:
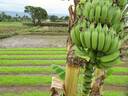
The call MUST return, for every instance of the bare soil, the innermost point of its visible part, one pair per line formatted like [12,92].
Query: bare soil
[33,41]
[24,88]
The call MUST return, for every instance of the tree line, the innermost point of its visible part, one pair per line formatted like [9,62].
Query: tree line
[37,15]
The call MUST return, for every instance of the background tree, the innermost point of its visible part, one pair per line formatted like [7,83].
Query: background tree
[36,13]
[53,18]
[66,18]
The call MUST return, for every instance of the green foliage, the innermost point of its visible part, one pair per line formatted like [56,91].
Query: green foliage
[37,13]
[59,71]
[53,18]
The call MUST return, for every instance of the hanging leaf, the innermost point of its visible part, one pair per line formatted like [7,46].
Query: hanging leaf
[59,71]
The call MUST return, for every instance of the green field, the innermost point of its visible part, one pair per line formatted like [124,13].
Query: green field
[8,29]
[32,53]
[31,62]
[24,67]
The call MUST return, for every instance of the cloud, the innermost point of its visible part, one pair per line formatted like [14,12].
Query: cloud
[52,6]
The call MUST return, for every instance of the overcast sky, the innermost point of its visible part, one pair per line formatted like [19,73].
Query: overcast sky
[52,6]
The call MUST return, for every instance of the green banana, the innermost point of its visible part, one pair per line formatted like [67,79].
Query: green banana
[114,45]
[108,41]
[118,27]
[110,14]
[117,16]
[91,14]
[78,10]
[83,25]
[74,36]
[92,27]
[110,57]
[104,13]
[87,8]
[105,28]
[99,27]
[110,64]
[94,40]
[97,13]
[87,37]
[101,41]
[82,39]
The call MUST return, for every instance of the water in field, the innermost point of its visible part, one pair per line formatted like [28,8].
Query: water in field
[33,41]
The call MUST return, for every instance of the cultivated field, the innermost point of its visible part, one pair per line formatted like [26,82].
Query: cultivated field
[8,29]
[27,72]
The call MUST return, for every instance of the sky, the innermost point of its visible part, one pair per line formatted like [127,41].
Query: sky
[52,6]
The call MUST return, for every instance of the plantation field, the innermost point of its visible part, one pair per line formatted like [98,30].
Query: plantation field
[28,72]
[8,29]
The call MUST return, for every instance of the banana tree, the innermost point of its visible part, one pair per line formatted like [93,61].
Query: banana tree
[96,33]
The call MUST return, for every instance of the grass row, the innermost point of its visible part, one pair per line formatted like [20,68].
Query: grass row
[48,69]
[33,57]
[32,52]
[24,80]
[40,93]
[31,62]
[115,93]
[117,80]
[7,80]
[25,69]
[119,70]
[32,49]
[32,93]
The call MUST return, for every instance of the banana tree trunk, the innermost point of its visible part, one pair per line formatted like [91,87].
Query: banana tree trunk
[72,67]
[71,80]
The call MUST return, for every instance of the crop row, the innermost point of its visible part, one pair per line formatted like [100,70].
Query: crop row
[46,80]
[33,57]
[32,52]
[31,62]
[35,69]
[32,49]
[48,69]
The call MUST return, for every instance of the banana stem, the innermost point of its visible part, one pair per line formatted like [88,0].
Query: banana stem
[88,74]
[71,79]
[97,84]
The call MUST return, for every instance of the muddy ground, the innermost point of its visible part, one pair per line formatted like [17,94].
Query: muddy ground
[33,41]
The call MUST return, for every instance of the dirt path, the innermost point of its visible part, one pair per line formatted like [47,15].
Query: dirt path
[33,41]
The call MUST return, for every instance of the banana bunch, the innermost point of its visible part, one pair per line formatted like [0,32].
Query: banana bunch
[97,35]
[100,27]
[108,60]
[100,39]
[100,11]
[75,35]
